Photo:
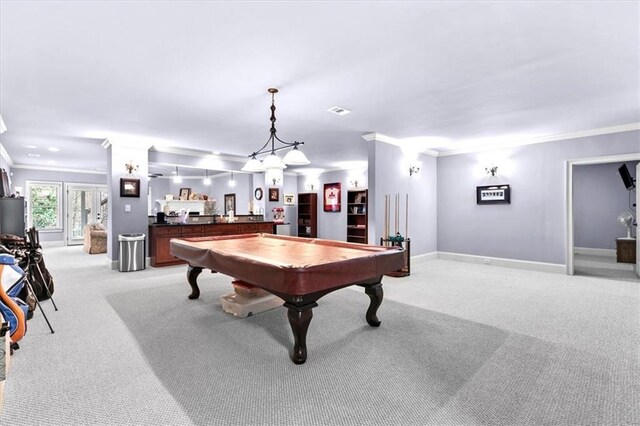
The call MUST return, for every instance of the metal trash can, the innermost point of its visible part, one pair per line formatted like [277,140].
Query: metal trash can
[132,252]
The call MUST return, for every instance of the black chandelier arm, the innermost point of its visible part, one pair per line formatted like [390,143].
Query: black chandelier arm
[273,133]
[289,144]
[265,150]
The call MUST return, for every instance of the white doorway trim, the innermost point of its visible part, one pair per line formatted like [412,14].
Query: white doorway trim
[569,193]
[69,186]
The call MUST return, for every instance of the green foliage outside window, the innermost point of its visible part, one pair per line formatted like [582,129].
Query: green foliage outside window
[44,206]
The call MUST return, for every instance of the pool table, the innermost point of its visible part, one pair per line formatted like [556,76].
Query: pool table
[298,270]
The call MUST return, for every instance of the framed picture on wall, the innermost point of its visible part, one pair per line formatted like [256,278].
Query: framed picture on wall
[289,199]
[185,193]
[274,194]
[229,203]
[332,195]
[493,194]
[129,187]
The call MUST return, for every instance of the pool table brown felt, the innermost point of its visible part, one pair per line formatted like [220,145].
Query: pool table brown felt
[291,265]
[298,270]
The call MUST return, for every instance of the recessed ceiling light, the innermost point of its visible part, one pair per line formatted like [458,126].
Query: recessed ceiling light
[216,152]
[30,146]
[339,110]
[53,149]
[33,154]
[51,162]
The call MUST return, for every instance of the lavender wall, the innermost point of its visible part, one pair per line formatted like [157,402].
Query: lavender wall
[533,226]
[331,225]
[218,188]
[599,196]
[390,175]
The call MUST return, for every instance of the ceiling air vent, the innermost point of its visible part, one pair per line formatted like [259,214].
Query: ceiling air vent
[339,110]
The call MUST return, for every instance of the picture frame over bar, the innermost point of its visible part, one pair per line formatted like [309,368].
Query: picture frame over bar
[229,203]
[493,194]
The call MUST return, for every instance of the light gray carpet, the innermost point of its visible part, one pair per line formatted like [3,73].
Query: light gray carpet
[604,267]
[459,344]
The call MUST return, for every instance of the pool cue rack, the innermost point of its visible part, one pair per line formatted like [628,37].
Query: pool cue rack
[397,239]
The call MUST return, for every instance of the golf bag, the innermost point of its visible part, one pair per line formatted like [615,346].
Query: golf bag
[14,310]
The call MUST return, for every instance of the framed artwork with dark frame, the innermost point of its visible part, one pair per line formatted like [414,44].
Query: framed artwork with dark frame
[229,203]
[185,193]
[274,194]
[493,194]
[129,187]
[332,195]
[258,194]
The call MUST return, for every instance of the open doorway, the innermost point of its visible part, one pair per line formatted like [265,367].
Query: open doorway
[597,243]
[86,204]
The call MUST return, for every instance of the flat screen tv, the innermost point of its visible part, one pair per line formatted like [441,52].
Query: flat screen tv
[626,177]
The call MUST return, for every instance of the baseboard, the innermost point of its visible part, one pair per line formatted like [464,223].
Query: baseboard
[46,244]
[595,251]
[555,268]
[426,256]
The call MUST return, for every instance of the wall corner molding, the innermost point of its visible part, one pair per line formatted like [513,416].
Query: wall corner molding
[5,155]
[379,137]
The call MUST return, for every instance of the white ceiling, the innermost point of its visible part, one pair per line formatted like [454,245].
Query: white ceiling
[195,74]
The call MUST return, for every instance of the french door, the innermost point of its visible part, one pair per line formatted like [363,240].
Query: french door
[85,204]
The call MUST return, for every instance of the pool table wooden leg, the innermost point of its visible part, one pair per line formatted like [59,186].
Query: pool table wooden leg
[192,277]
[299,319]
[374,291]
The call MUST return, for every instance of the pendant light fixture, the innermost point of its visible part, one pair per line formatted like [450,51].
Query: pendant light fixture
[295,157]
[232,182]
[206,180]
[177,178]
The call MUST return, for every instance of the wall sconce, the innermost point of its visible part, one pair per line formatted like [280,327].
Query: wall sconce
[273,176]
[354,183]
[413,170]
[493,170]
[131,167]
[310,186]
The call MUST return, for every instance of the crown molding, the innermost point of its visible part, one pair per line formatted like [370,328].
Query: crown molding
[197,153]
[127,143]
[543,139]
[5,155]
[58,169]
[379,137]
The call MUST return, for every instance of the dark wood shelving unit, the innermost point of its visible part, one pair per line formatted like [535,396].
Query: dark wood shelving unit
[357,216]
[308,215]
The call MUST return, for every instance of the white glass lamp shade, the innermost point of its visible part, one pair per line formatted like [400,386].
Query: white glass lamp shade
[253,165]
[207,181]
[295,157]
[177,179]
[272,161]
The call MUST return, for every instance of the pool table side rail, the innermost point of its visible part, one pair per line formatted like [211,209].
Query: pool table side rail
[292,280]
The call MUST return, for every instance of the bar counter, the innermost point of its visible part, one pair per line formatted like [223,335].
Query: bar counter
[160,234]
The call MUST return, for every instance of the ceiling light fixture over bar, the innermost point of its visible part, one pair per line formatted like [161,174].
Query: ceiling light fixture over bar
[295,157]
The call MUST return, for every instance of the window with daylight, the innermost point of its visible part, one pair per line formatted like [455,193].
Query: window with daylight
[44,201]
